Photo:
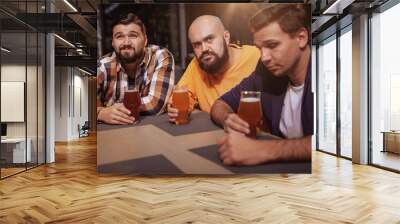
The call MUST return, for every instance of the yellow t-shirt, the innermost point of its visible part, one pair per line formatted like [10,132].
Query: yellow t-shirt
[207,88]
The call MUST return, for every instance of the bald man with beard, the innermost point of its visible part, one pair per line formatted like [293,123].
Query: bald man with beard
[217,66]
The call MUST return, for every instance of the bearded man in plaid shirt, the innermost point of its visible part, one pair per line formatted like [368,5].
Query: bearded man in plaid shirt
[133,64]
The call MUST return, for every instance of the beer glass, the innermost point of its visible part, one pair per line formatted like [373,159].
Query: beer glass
[250,110]
[180,101]
[132,102]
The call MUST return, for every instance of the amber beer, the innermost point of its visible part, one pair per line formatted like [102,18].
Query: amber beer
[250,110]
[132,102]
[180,101]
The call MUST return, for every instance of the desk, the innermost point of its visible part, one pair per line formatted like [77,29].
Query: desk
[391,141]
[155,146]
[13,150]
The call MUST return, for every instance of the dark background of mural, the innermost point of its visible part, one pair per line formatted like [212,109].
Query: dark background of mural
[167,24]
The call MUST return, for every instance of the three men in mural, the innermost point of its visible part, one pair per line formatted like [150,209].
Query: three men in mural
[220,71]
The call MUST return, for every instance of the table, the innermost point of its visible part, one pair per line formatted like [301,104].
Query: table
[391,141]
[13,150]
[155,146]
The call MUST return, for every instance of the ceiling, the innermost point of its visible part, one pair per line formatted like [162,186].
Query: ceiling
[79,27]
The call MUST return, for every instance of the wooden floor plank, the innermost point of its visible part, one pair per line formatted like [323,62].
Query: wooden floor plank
[71,191]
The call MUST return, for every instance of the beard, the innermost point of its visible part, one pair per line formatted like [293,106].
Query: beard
[127,57]
[215,65]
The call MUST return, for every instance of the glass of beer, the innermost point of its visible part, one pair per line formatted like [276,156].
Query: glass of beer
[180,101]
[132,102]
[250,110]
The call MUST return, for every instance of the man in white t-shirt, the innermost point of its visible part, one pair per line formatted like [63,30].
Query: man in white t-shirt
[283,76]
[290,124]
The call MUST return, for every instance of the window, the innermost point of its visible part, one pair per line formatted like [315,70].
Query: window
[22,68]
[346,92]
[327,95]
[385,84]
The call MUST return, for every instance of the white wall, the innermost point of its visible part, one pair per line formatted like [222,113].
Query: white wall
[71,93]
[81,82]
[11,73]
[61,103]
[34,125]
[15,72]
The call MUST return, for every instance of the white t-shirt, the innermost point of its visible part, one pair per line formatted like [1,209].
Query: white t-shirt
[290,124]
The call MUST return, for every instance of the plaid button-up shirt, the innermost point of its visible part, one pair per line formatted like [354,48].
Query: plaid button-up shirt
[154,79]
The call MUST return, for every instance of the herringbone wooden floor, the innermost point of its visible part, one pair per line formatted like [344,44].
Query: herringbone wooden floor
[70,191]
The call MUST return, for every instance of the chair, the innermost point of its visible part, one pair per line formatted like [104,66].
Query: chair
[84,130]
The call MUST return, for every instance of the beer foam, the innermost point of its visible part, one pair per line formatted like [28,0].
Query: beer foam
[131,90]
[250,100]
[180,90]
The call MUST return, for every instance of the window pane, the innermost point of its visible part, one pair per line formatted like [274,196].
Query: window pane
[346,94]
[327,96]
[385,86]
[22,65]
[13,85]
